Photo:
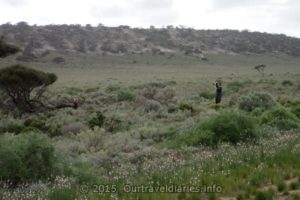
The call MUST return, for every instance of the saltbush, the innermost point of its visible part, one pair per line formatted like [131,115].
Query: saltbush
[287,83]
[256,100]
[228,126]
[295,109]
[281,118]
[62,193]
[207,95]
[152,106]
[125,95]
[98,120]
[235,86]
[27,157]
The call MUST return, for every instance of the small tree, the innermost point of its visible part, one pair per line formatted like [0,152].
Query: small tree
[7,49]
[260,69]
[26,86]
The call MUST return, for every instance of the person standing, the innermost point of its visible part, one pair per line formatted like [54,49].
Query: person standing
[218,86]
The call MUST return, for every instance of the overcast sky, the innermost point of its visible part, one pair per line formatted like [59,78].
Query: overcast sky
[274,16]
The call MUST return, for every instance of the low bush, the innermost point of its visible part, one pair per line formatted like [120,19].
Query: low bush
[228,126]
[281,186]
[281,118]
[152,106]
[287,83]
[295,109]
[12,128]
[207,95]
[62,193]
[256,100]
[186,106]
[125,95]
[27,157]
[149,92]
[113,124]
[98,120]
[235,86]
[112,88]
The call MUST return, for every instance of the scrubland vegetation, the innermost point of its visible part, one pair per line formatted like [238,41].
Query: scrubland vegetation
[155,131]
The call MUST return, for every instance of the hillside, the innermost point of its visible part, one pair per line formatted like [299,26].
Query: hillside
[37,41]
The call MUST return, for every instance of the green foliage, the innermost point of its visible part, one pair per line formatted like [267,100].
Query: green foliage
[12,128]
[264,196]
[21,77]
[36,122]
[256,100]
[7,49]
[228,126]
[295,109]
[27,157]
[295,185]
[125,95]
[98,120]
[186,106]
[281,186]
[281,118]
[235,86]
[216,106]
[63,194]
[207,95]
[19,82]
[112,88]
[113,124]
[287,83]
[73,91]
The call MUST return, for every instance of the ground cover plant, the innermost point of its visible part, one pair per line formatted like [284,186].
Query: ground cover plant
[150,127]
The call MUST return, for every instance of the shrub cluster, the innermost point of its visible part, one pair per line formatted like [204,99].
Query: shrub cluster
[256,100]
[228,126]
[281,118]
[207,95]
[125,95]
[27,157]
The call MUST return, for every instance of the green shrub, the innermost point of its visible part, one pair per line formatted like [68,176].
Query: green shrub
[12,128]
[228,126]
[295,185]
[185,106]
[281,118]
[10,164]
[112,88]
[256,100]
[285,101]
[38,123]
[263,196]
[113,124]
[216,106]
[27,157]
[63,194]
[235,86]
[125,95]
[296,110]
[207,95]
[98,120]
[73,91]
[172,109]
[281,186]
[287,83]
